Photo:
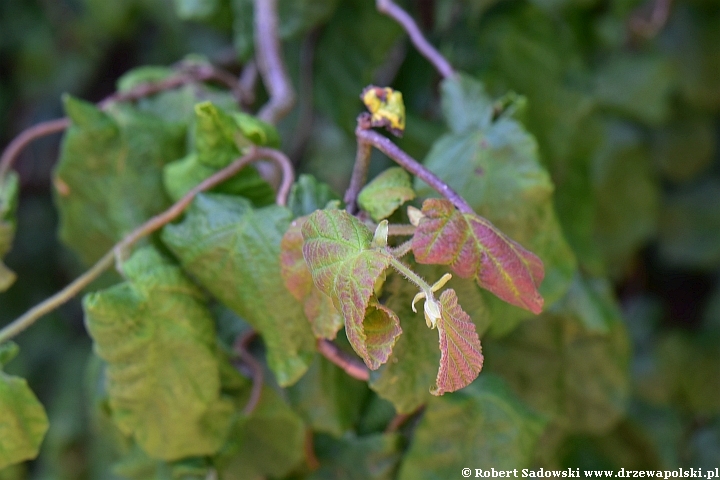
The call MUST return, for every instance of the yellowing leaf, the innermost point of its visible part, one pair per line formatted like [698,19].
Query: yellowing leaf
[381,197]
[461,356]
[386,108]
[344,266]
[475,248]
[319,310]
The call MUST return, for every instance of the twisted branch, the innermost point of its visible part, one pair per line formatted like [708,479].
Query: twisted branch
[352,366]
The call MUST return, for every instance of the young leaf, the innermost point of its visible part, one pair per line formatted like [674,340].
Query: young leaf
[108,179]
[8,204]
[484,425]
[338,252]
[23,421]
[461,356]
[475,248]
[233,250]
[159,341]
[381,197]
[319,309]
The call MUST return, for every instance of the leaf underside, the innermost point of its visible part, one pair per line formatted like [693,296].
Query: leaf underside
[475,248]
[338,252]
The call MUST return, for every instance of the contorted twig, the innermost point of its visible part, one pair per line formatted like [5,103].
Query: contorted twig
[358,177]
[646,26]
[352,366]
[153,224]
[256,372]
[270,63]
[392,10]
[369,137]
[187,73]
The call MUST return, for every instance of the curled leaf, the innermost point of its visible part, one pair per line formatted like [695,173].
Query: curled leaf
[386,108]
[461,356]
[475,248]
[338,250]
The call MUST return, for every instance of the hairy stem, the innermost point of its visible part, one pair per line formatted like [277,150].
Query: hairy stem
[402,249]
[270,63]
[411,276]
[392,10]
[411,165]
[397,230]
[242,343]
[153,224]
[350,365]
[358,178]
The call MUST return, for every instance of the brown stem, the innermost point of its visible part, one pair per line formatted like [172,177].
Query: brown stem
[358,178]
[392,10]
[394,152]
[242,343]
[153,224]
[310,457]
[352,366]
[270,62]
[247,82]
[26,137]
[401,418]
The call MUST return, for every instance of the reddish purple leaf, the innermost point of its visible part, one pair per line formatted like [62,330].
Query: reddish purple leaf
[344,265]
[475,248]
[324,318]
[461,356]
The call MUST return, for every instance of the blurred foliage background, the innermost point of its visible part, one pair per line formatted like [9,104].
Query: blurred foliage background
[623,98]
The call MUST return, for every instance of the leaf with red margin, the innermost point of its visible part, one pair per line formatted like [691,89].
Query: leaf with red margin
[475,248]
[324,318]
[344,265]
[461,357]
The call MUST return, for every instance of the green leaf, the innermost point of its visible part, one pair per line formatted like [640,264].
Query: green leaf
[475,248]
[23,421]
[8,351]
[461,356]
[108,180]
[324,318]
[338,252]
[309,194]
[233,250]
[268,442]
[381,197]
[8,204]
[483,426]
[357,458]
[575,375]
[496,168]
[169,403]
[328,399]
[690,225]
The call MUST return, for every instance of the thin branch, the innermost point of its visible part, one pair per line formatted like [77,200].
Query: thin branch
[402,249]
[401,418]
[312,460]
[398,230]
[242,343]
[392,10]
[305,116]
[352,366]
[270,62]
[25,138]
[247,82]
[358,178]
[153,224]
[411,165]
[648,26]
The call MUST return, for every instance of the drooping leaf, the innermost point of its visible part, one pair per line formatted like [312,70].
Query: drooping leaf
[233,250]
[219,138]
[169,403]
[385,193]
[108,179]
[345,267]
[357,458]
[268,442]
[475,248]
[324,318]
[494,164]
[8,204]
[309,194]
[23,421]
[463,429]
[327,398]
[562,369]
[461,356]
